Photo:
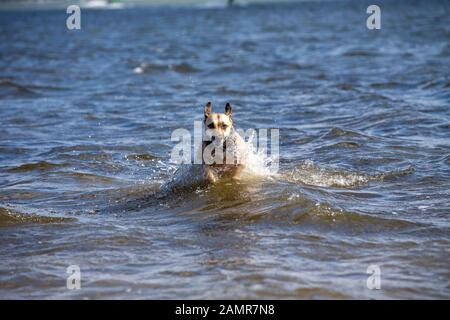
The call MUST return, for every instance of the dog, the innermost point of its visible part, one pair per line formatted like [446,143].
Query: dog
[224,151]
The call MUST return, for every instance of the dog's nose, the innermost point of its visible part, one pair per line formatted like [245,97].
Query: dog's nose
[213,138]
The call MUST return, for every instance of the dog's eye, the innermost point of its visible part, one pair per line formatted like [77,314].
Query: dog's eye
[224,126]
[211,126]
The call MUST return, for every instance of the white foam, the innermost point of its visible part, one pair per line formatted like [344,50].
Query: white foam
[311,174]
[259,163]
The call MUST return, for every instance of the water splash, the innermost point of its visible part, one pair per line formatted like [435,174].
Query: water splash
[258,165]
[311,174]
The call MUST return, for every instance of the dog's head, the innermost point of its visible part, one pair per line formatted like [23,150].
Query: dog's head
[218,126]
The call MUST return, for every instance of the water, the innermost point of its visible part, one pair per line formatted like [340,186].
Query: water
[364,174]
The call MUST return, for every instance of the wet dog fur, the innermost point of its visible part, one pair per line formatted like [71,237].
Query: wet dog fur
[223,149]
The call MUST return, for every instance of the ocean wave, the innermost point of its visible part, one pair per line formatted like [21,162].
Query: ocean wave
[339,132]
[309,173]
[142,157]
[40,165]
[10,89]
[9,217]
[154,67]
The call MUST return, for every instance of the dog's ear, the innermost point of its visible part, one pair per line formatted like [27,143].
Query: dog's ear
[228,109]
[208,109]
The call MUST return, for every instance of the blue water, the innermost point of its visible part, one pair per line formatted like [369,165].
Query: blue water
[364,178]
